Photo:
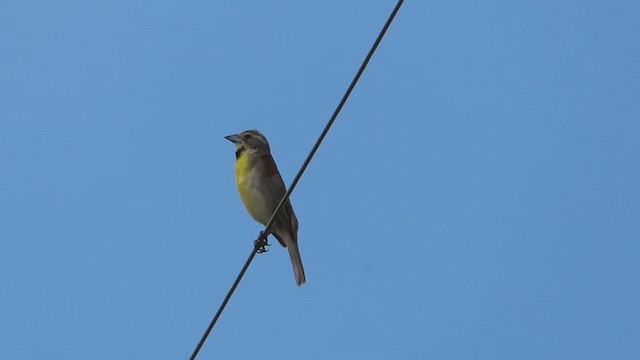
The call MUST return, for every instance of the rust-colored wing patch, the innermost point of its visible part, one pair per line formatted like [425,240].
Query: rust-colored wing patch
[270,167]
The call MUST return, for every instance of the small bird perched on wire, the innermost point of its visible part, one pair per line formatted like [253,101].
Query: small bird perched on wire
[261,188]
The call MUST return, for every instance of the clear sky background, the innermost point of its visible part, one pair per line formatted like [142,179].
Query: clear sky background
[477,198]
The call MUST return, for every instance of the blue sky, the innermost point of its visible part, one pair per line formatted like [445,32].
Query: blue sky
[476,199]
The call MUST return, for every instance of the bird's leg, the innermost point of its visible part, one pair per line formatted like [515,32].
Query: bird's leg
[261,243]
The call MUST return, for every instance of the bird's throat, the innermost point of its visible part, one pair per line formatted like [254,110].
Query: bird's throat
[239,153]
[242,167]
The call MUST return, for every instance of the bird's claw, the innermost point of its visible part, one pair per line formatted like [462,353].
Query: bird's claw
[261,244]
[261,247]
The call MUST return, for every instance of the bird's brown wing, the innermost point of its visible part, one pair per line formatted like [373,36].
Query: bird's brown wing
[286,220]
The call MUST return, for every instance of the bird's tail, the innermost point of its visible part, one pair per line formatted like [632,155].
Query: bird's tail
[296,261]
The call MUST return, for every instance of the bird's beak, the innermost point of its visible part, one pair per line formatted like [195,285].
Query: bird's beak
[235,138]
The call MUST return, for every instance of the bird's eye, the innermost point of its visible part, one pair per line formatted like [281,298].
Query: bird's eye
[247,136]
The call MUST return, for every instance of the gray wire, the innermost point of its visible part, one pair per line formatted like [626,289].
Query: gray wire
[261,242]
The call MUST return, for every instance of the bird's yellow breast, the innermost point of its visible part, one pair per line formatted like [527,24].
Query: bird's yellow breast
[243,167]
[248,179]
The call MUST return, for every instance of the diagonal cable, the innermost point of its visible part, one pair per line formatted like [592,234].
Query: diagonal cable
[261,242]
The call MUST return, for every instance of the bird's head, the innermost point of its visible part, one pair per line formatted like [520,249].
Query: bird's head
[250,142]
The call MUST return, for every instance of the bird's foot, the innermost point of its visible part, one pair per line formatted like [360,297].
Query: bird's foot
[261,244]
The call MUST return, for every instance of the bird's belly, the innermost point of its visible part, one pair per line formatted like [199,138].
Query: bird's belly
[259,207]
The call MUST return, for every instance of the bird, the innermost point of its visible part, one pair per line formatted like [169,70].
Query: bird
[261,188]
